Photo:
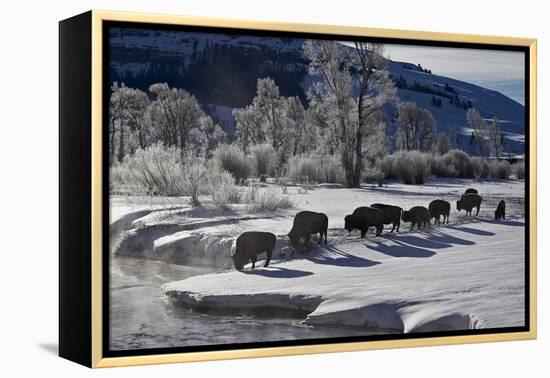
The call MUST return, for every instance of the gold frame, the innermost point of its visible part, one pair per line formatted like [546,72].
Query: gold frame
[99,16]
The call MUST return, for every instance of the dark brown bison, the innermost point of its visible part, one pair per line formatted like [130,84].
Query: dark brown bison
[307,223]
[439,208]
[500,212]
[418,215]
[392,214]
[363,218]
[471,191]
[468,202]
[249,245]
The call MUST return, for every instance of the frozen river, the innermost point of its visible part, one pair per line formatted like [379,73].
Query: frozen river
[142,317]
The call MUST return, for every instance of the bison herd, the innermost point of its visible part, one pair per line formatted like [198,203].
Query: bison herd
[306,223]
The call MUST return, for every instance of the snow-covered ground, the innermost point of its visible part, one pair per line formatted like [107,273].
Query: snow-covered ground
[469,274]
[455,277]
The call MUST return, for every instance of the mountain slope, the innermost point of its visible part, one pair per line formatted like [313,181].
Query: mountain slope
[221,70]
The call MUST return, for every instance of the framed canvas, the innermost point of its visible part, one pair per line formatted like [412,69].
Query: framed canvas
[235,189]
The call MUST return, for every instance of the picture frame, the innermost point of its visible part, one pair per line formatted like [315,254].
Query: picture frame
[84,251]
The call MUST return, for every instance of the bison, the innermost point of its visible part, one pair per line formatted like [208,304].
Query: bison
[392,214]
[471,191]
[307,223]
[500,212]
[250,244]
[439,208]
[418,215]
[468,202]
[363,218]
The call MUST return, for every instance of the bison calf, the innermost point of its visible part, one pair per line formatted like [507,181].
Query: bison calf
[363,218]
[439,208]
[249,245]
[418,215]
[471,191]
[392,214]
[467,202]
[500,212]
[307,223]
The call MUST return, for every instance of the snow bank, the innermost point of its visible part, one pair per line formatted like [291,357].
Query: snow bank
[187,244]
[293,305]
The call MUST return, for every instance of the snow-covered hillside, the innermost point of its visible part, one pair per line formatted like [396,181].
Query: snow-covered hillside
[222,70]
[449,115]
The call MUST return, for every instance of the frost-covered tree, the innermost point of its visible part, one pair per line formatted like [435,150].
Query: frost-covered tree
[248,127]
[340,68]
[334,94]
[271,106]
[321,135]
[374,146]
[206,136]
[376,89]
[177,113]
[417,127]
[118,117]
[443,144]
[479,130]
[296,125]
[137,107]
[495,137]
[129,124]
[407,113]
[427,137]
[270,118]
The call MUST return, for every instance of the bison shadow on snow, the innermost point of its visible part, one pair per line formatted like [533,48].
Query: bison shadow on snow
[442,237]
[333,256]
[421,247]
[400,249]
[278,272]
[470,230]
[504,222]
[419,242]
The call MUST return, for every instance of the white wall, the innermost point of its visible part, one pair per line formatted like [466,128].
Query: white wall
[28,148]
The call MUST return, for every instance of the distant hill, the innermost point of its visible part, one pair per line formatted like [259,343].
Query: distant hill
[221,70]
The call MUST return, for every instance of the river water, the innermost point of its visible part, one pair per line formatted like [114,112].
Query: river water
[142,317]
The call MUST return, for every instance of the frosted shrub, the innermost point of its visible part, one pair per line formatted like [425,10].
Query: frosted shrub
[386,166]
[480,168]
[303,169]
[221,186]
[500,169]
[193,178]
[251,193]
[411,166]
[118,182]
[264,159]
[331,170]
[308,170]
[455,163]
[153,170]
[258,201]
[373,174]
[230,158]
[518,170]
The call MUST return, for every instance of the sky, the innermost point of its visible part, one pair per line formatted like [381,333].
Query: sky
[503,71]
